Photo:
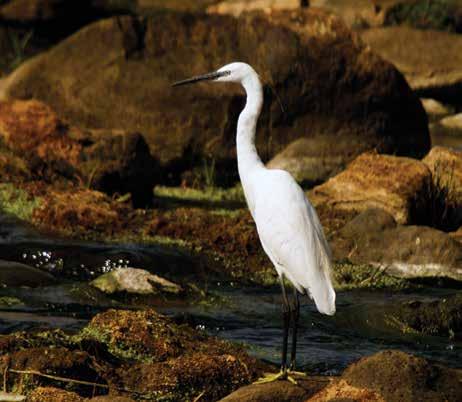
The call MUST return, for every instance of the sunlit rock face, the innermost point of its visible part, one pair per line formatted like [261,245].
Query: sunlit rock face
[396,184]
[236,8]
[320,82]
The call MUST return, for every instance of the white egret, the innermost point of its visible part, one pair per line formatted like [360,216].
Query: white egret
[287,224]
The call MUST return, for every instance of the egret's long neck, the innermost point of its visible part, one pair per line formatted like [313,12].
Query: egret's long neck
[247,157]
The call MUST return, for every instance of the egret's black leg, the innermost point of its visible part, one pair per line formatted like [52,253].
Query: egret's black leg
[295,318]
[286,312]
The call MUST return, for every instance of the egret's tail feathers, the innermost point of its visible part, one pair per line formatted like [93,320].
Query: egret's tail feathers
[321,288]
[324,299]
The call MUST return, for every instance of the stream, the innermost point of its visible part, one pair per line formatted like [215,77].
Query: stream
[245,314]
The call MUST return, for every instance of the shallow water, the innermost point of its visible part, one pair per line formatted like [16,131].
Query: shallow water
[326,345]
[250,315]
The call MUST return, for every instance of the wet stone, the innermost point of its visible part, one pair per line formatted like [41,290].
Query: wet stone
[439,317]
[17,274]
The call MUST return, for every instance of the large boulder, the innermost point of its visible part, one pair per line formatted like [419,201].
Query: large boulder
[14,274]
[398,376]
[329,83]
[167,360]
[109,161]
[374,238]
[430,60]
[395,184]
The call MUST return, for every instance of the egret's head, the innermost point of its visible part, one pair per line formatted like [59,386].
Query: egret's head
[233,72]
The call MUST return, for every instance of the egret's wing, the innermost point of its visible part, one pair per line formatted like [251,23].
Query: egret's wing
[293,238]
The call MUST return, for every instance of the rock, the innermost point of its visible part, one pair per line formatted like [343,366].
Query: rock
[392,183]
[446,167]
[109,161]
[42,394]
[281,391]
[444,15]
[435,109]
[441,317]
[341,391]
[17,274]
[398,376]
[329,83]
[311,161]
[430,60]
[236,8]
[209,375]
[132,280]
[56,361]
[403,251]
[358,14]
[453,123]
[111,398]
[457,235]
[147,336]
[166,359]
[77,211]
[150,6]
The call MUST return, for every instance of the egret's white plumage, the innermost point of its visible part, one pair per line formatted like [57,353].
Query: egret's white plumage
[287,224]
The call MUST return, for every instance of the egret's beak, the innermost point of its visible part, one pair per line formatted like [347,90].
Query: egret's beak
[206,77]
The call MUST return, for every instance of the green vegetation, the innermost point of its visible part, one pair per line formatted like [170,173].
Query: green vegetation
[18,46]
[441,197]
[209,194]
[7,301]
[426,14]
[17,202]
[352,276]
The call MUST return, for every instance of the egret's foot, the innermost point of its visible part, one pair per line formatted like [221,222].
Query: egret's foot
[296,373]
[282,375]
[270,377]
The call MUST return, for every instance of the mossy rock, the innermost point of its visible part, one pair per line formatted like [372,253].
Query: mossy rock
[398,376]
[439,317]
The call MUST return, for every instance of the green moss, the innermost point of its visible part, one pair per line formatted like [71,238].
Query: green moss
[210,194]
[118,350]
[6,301]
[17,202]
[352,276]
